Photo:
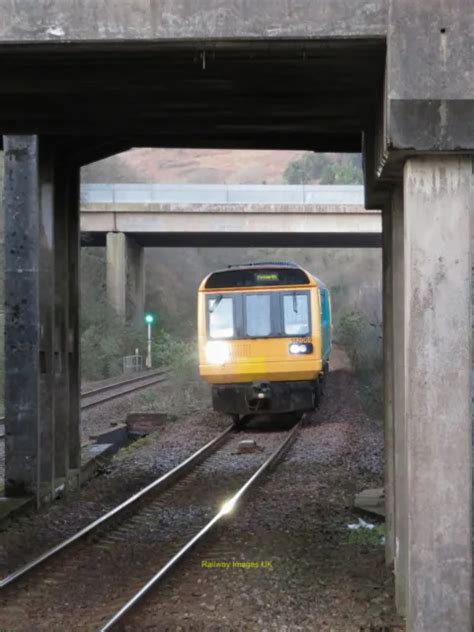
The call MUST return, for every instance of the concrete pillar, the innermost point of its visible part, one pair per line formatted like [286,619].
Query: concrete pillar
[135,296]
[74,336]
[388,387]
[125,277]
[37,289]
[437,202]
[117,272]
[61,317]
[398,399]
[27,326]
[66,340]
[46,295]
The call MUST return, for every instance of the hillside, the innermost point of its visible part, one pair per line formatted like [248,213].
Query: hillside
[193,166]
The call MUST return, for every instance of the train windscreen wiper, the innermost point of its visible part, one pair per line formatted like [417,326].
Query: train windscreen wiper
[215,304]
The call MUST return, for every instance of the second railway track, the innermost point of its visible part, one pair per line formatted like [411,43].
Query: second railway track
[100,395]
[96,396]
[132,552]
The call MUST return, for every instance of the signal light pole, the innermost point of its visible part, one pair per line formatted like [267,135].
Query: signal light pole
[149,320]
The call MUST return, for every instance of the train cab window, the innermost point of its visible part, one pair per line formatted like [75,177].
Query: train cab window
[296,314]
[258,321]
[221,317]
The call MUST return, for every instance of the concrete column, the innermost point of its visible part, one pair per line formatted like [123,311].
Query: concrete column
[29,283]
[47,356]
[125,277]
[39,386]
[117,272]
[398,399]
[66,339]
[437,201]
[390,499]
[22,210]
[61,317]
[135,296]
[74,337]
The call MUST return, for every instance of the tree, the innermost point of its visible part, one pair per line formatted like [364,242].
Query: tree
[314,168]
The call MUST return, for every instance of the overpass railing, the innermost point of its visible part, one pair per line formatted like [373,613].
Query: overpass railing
[221,194]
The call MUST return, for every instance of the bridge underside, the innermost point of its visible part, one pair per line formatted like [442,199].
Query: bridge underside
[394,77]
[104,98]
[244,240]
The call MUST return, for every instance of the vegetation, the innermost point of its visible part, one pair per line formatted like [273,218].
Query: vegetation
[187,391]
[105,339]
[314,168]
[177,354]
[368,538]
[362,339]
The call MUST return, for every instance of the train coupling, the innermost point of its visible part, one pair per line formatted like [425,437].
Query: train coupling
[260,391]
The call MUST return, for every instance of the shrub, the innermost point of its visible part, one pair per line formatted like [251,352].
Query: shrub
[325,169]
[362,339]
[186,391]
[177,354]
[105,339]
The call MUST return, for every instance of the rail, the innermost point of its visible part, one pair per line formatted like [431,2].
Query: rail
[225,510]
[141,381]
[156,485]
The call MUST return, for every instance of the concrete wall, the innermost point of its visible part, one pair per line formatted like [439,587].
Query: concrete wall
[57,20]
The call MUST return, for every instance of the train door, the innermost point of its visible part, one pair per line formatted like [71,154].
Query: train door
[325,323]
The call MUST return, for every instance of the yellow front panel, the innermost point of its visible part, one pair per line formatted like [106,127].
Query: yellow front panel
[264,358]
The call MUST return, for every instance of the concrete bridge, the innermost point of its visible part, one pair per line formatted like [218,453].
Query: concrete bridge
[230,216]
[391,77]
[128,217]
[159,215]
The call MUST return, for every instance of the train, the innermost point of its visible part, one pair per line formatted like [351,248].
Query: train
[264,338]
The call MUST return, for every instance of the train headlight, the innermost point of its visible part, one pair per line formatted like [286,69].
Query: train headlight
[217,352]
[301,348]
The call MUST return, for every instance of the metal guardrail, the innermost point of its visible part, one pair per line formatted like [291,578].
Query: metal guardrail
[221,194]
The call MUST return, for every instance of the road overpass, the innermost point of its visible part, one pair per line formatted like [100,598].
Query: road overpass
[230,215]
[128,217]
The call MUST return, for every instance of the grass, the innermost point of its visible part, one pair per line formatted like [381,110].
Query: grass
[368,538]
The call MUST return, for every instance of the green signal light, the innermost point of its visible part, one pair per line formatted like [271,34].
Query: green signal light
[149,319]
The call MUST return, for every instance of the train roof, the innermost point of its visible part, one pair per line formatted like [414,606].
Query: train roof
[266,264]
[227,277]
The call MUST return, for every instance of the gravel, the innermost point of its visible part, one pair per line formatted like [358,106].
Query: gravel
[315,576]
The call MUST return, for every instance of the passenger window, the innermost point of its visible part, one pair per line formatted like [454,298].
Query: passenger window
[221,317]
[258,315]
[324,308]
[296,314]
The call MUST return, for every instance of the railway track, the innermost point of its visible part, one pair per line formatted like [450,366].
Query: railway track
[94,397]
[138,543]
[106,393]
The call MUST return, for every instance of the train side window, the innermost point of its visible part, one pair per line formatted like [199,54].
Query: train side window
[296,314]
[258,315]
[324,308]
[221,317]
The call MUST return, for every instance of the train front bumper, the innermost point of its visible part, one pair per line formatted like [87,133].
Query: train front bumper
[263,397]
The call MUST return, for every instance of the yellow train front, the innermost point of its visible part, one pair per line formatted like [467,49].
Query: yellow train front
[264,334]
